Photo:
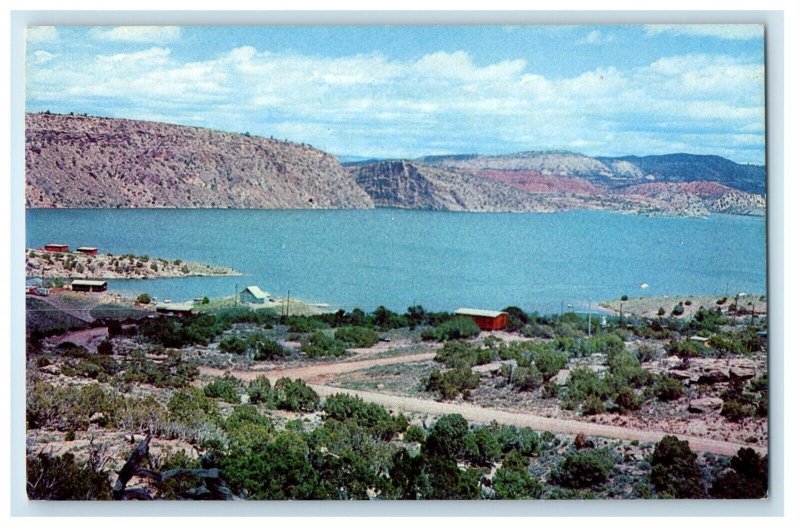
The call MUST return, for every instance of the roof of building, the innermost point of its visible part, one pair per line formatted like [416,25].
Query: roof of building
[255,291]
[56,245]
[86,249]
[174,307]
[479,312]
[93,283]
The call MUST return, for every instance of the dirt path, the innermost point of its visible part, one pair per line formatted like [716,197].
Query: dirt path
[315,376]
[88,338]
[317,372]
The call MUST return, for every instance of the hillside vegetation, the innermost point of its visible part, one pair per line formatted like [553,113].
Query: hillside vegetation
[80,161]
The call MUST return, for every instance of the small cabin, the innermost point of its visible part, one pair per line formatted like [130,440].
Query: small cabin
[56,248]
[175,310]
[485,319]
[89,286]
[92,251]
[253,294]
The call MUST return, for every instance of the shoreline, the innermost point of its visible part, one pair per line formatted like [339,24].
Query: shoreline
[43,264]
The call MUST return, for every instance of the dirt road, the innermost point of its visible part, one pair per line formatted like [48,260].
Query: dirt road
[315,376]
[316,373]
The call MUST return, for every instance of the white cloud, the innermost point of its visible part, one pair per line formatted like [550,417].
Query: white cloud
[723,31]
[140,34]
[596,37]
[371,105]
[40,56]
[41,34]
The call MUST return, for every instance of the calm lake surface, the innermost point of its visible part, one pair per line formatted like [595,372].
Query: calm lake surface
[442,260]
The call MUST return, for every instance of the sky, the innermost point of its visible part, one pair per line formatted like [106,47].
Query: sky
[409,91]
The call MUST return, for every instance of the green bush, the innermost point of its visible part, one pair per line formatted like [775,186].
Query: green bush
[357,336]
[302,324]
[677,310]
[294,396]
[627,399]
[582,384]
[684,348]
[457,353]
[674,472]
[593,405]
[414,433]
[448,437]
[450,383]
[512,481]
[373,417]
[548,361]
[526,378]
[482,446]
[457,328]
[318,344]
[666,388]
[259,390]
[62,478]
[585,468]
[747,477]
[190,406]
[173,372]
[226,388]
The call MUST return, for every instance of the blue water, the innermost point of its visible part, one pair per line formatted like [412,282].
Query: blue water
[442,260]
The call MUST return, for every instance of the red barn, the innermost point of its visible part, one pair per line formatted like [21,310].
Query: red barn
[56,248]
[87,250]
[485,319]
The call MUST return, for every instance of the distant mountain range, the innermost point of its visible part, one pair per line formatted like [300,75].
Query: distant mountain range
[81,161]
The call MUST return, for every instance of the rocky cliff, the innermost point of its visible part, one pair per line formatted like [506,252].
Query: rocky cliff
[81,161]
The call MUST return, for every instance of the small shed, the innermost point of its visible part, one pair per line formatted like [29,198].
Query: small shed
[87,250]
[56,248]
[90,286]
[253,294]
[175,310]
[485,319]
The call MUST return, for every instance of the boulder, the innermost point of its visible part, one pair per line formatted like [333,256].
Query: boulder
[705,405]
[742,372]
[683,375]
[581,442]
[714,374]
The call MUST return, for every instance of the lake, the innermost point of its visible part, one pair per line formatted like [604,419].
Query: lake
[442,260]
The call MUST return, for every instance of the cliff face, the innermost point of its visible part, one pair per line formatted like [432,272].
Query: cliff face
[78,161]
[410,185]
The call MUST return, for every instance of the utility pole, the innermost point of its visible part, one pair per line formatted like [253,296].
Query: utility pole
[235,294]
[590,317]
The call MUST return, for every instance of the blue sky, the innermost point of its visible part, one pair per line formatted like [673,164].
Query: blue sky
[407,91]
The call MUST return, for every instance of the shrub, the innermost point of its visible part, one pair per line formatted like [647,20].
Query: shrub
[512,481]
[674,471]
[627,399]
[414,434]
[585,468]
[684,348]
[448,437]
[593,405]
[548,361]
[105,347]
[225,388]
[62,478]
[294,396]
[583,383]
[661,311]
[318,344]
[357,336]
[482,446]
[301,324]
[666,388]
[190,406]
[259,390]
[457,328]
[452,382]
[526,378]
[677,310]
[456,353]
[373,417]
[517,318]
[747,477]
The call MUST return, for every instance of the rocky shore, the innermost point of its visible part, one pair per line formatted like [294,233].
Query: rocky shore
[43,264]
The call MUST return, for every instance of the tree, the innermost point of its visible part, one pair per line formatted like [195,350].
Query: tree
[747,477]
[448,437]
[585,468]
[674,471]
[144,298]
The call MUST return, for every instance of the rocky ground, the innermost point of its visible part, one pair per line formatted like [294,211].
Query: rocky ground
[43,264]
